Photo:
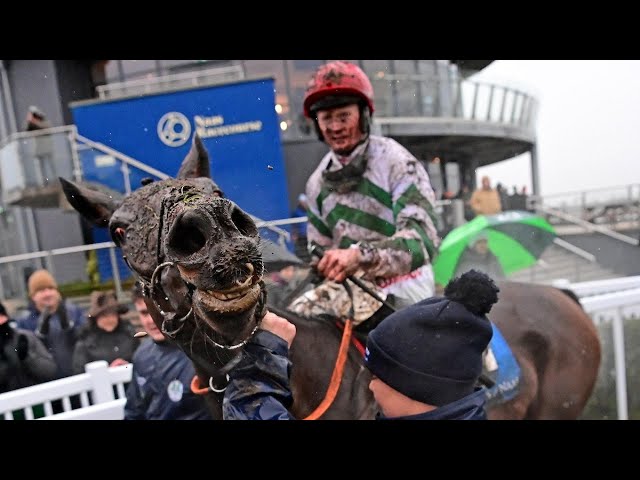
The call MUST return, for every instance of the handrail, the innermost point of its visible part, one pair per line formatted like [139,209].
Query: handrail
[122,157]
[161,175]
[576,192]
[599,287]
[36,133]
[573,249]
[102,90]
[592,227]
[56,251]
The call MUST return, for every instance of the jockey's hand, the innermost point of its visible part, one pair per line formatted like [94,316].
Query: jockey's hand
[338,264]
[279,326]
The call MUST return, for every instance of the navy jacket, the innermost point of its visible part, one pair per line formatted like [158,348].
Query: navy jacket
[470,407]
[160,387]
[259,387]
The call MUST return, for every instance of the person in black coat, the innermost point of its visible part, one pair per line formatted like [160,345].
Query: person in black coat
[24,360]
[106,336]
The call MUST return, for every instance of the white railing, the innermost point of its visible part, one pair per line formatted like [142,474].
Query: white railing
[605,301]
[101,390]
[598,287]
[611,301]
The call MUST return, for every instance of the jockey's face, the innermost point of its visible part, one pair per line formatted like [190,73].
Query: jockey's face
[340,128]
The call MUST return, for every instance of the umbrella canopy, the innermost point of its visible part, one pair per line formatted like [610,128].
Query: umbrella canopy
[276,257]
[517,239]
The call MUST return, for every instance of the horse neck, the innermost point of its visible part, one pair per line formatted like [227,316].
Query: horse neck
[313,355]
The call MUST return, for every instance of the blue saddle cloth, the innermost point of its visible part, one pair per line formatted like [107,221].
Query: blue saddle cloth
[508,375]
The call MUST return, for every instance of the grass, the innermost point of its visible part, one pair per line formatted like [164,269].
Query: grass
[78,289]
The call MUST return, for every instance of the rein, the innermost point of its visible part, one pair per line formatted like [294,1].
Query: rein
[336,376]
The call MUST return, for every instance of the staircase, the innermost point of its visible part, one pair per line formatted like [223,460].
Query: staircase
[556,262]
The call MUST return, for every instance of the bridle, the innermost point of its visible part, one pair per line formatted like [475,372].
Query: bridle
[171,325]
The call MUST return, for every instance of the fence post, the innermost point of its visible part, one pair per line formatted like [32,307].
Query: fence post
[619,361]
[102,390]
[116,272]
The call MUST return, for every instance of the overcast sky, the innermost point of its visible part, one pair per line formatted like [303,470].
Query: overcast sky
[588,123]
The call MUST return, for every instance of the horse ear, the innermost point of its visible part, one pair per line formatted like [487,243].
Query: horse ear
[97,207]
[196,163]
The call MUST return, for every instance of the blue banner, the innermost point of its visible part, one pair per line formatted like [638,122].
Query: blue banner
[237,123]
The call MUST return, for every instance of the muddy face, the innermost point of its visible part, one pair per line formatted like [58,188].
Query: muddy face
[197,252]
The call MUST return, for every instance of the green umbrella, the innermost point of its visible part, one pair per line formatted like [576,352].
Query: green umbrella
[517,238]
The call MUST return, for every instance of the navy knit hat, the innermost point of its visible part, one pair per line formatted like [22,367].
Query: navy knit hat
[432,351]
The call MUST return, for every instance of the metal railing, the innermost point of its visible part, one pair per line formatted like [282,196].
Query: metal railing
[418,95]
[176,81]
[610,205]
[67,148]
[588,226]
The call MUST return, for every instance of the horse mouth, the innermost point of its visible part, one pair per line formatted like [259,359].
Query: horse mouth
[233,300]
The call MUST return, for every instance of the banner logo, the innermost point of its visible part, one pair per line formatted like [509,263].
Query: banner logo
[174,129]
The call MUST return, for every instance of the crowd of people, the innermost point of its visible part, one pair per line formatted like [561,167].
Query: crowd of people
[54,338]
[371,211]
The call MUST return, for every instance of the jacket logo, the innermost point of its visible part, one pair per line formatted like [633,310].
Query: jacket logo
[175,390]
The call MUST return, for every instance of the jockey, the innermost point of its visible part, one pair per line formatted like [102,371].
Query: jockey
[370,204]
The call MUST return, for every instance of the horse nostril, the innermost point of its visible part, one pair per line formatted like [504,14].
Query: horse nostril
[243,222]
[187,234]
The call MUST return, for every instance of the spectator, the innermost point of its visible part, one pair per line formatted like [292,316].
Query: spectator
[299,230]
[477,256]
[426,360]
[504,197]
[43,147]
[106,336]
[465,195]
[485,200]
[281,284]
[161,385]
[24,360]
[55,320]
[36,119]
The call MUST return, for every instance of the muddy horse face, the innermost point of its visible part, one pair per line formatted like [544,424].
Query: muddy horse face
[197,255]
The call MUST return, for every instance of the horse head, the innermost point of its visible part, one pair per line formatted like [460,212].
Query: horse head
[197,255]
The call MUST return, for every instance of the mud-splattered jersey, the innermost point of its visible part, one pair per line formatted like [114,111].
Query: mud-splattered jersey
[390,214]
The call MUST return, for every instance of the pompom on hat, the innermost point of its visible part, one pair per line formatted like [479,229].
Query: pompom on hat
[432,351]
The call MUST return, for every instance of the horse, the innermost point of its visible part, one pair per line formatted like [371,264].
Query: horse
[197,254]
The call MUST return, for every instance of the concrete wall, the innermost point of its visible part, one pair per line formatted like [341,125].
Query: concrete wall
[34,82]
[300,160]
